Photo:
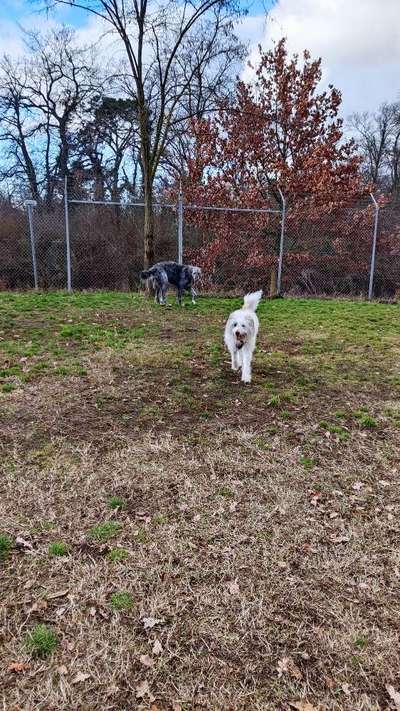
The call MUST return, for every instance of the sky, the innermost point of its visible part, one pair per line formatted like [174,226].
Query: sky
[358,40]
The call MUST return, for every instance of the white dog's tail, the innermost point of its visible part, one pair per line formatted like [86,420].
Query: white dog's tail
[251,301]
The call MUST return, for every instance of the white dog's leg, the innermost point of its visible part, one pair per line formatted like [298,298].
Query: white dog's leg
[235,359]
[246,365]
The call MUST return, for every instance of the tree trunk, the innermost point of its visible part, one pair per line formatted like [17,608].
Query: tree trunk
[148,240]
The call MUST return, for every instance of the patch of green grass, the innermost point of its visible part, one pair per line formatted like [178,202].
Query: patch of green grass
[307,462]
[8,387]
[102,532]
[261,443]
[142,536]
[361,643]
[116,502]
[41,641]
[286,415]
[365,419]
[340,414]
[342,434]
[116,555]
[160,519]
[42,526]
[6,545]
[225,492]
[58,548]
[121,601]
[274,401]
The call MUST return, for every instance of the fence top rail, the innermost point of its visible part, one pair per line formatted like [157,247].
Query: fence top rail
[173,205]
[232,209]
[121,204]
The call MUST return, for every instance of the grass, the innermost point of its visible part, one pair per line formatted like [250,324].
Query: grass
[6,545]
[117,555]
[121,601]
[41,641]
[102,532]
[365,420]
[249,525]
[115,502]
[58,548]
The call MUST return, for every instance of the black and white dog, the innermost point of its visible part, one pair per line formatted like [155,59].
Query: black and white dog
[163,274]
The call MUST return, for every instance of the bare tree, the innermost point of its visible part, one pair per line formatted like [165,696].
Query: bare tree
[42,97]
[158,37]
[378,136]
[17,130]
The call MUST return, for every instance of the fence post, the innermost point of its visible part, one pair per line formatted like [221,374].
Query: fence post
[30,204]
[67,241]
[180,225]
[373,252]
[281,243]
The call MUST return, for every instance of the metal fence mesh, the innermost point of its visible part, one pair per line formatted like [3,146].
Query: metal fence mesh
[15,255]
[325,254]
[235,249]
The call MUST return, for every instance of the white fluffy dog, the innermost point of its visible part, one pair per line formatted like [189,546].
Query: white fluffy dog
[241,333]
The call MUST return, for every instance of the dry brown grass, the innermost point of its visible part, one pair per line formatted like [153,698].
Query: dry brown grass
[262,546]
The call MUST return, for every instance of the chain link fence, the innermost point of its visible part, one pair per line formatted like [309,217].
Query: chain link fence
[91,243]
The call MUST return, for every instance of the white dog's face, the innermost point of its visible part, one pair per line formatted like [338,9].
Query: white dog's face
[240,329]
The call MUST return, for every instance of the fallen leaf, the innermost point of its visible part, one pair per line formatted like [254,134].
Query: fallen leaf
[62,670]
[295,671]
[142,689]
[302,705]
[394,695]
[92,611]
[70,646]
[81,676]
[39,605]
[176,706]
[358,485]
[157,647]
[18,667]
[346,689]
[60,593]
[340,539]
[233,587]
[150,622]
[146,660]
[287,665]
[282,666]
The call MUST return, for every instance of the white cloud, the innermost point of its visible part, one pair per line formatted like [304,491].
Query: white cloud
[358,40]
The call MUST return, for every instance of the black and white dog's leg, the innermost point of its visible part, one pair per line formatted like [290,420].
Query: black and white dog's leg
[163,287]
[246,364]
[193,294]
[163,292]
[180,289]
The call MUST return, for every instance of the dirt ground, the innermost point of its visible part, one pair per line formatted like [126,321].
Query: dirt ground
[191,543]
